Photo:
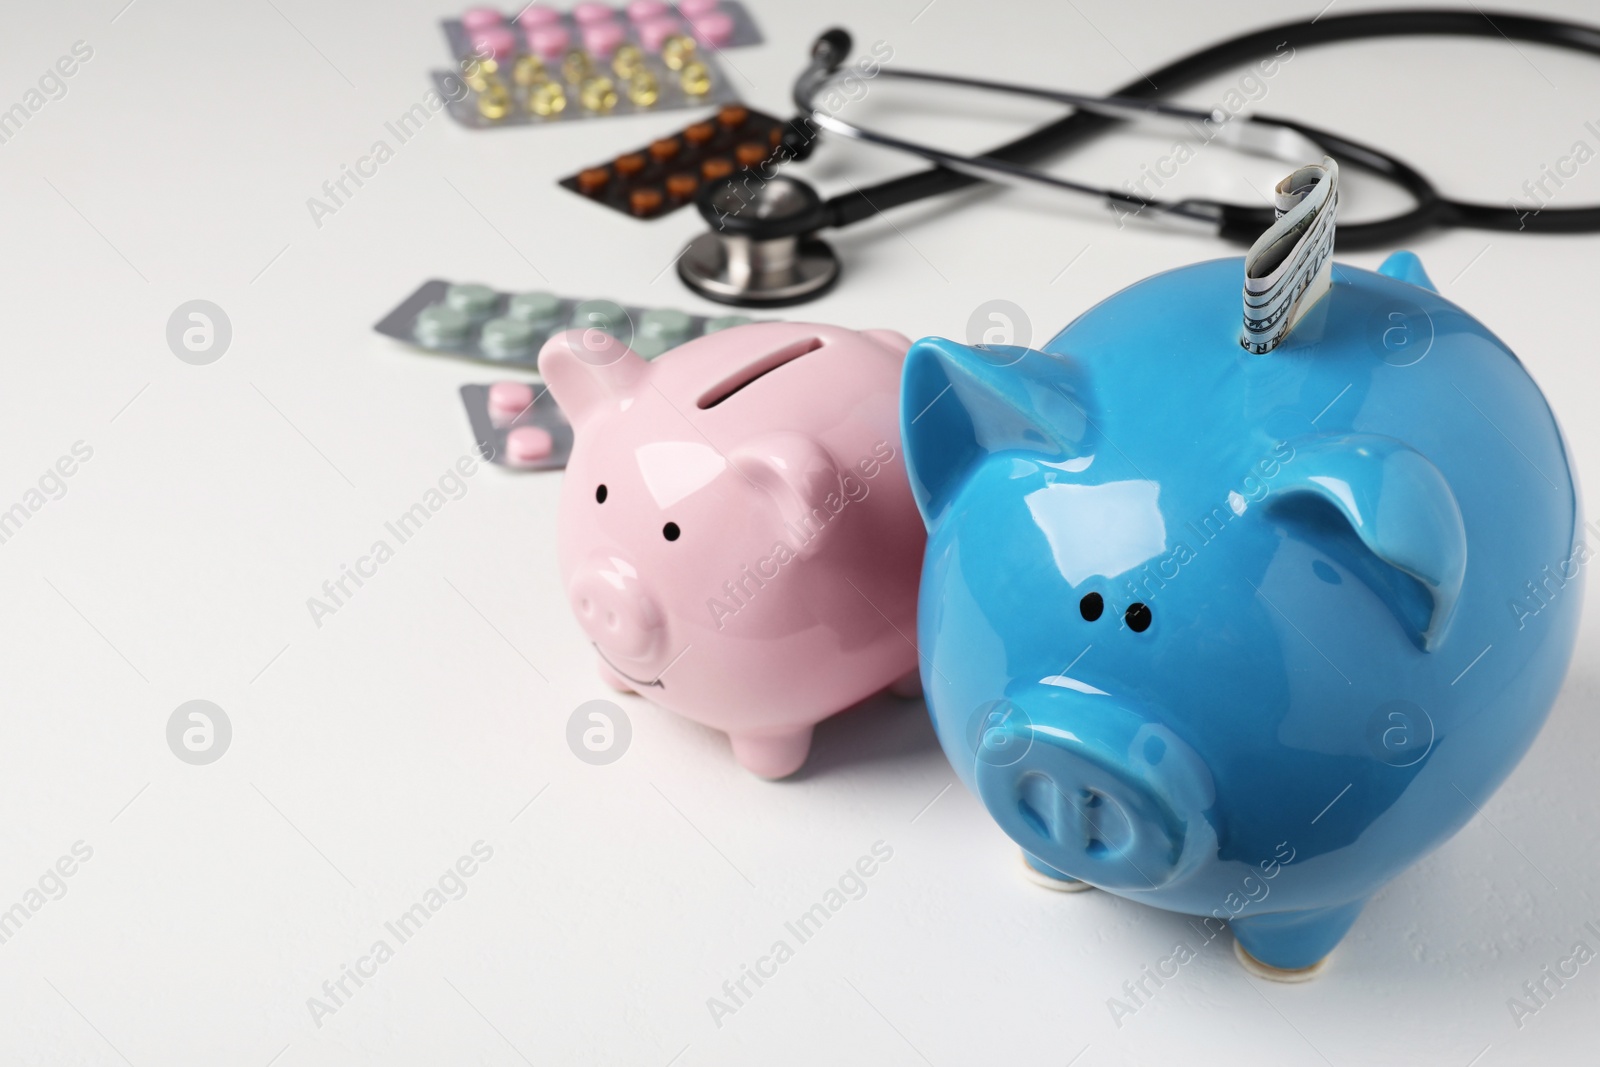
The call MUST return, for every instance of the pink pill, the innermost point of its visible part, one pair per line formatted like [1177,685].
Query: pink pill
[645,10]
[602,38]
[537,15]
[527,445]
[655,31]
[507,400]
[714,28]
[481,18]
[691,8]
[591,12]
[498,42]
[549,42]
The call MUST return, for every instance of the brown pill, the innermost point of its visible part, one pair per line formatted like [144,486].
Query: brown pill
[775,138]
[733,116]
[699,133]
[593,180]
[749,154]
[630,164]
[681,186]
[663,150]
[714,168]
[645,201]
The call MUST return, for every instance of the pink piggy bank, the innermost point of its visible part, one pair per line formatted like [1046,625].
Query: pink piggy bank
[738,536]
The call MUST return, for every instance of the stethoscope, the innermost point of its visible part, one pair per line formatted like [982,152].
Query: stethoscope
[762,248]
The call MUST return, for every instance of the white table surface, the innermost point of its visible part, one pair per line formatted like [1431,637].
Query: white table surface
[371,752]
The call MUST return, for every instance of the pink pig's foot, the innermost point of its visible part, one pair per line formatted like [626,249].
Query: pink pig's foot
[1041,873]
[772,755]
[908,687]
[612,678]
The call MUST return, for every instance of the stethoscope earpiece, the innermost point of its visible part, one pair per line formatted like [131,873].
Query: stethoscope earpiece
[831,49]
[760,249]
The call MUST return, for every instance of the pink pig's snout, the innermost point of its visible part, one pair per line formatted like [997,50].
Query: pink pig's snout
[616,610]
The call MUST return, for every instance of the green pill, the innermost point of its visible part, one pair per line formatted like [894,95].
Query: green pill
[507,338]
[665,324]
[474,301]
[534,307]
[724,322]
[600,315]
[441,326]
[649,347]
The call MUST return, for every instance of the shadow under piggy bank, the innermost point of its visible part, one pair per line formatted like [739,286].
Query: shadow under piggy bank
[883,729]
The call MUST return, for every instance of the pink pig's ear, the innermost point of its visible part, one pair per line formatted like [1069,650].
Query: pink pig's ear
[586,368]
[893,340]
[802,479]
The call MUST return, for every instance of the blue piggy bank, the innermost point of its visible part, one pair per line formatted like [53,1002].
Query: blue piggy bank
[1241,636]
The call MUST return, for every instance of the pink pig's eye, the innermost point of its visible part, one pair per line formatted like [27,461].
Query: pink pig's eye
[670,531]
[600,494]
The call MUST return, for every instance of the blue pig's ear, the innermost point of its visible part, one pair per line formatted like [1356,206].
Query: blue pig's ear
[1400,507]
[959,405]
[1408,268]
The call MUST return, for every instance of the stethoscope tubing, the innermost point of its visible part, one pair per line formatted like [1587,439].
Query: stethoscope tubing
[1231,221]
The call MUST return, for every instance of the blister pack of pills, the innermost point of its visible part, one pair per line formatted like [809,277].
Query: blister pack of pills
[542,66]
[667,173]
[476,322]
[518,425]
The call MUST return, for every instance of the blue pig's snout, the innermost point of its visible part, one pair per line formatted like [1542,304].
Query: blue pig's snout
[1117,802]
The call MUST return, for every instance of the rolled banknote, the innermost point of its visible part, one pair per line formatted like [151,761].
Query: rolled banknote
[1290,267]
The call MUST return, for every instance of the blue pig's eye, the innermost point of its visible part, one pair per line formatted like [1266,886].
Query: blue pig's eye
[1091,606]
[1137,617]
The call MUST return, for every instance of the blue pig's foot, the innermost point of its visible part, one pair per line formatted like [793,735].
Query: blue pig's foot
[1277,974]
[1041,873]
[1291,946]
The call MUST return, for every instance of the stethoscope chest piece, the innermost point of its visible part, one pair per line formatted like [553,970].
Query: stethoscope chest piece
[760,250]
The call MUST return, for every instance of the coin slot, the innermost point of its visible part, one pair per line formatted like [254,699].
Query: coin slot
[755,369]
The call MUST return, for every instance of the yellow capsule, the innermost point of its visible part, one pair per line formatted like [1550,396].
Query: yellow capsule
[577,68]
[598,94]
[676,51]
[643,89]
[528,71]
[494,101]
[478,72]
[629,60]
[695,78]
[547,98]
